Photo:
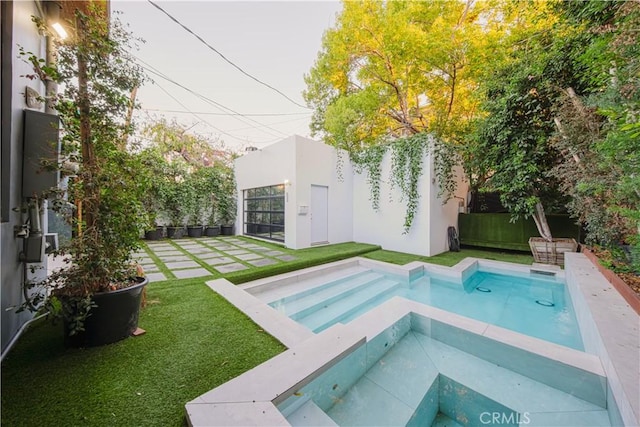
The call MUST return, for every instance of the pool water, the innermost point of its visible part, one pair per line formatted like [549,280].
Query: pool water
[408,376]
[536,306]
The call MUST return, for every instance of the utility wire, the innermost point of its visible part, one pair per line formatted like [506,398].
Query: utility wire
[228,114]
[153,70]
[224,57]
[199,118]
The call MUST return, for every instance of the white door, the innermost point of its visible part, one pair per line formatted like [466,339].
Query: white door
[319,214]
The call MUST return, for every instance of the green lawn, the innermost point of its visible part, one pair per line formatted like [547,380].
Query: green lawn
[452,258]
[195,341]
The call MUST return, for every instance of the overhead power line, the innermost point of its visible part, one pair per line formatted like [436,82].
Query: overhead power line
[243,118]
[229,114]
[224,57]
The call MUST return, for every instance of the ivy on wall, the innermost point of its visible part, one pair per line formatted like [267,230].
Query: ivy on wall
[407,155]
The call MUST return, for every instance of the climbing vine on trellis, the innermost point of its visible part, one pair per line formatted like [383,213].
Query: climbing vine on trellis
[407,155]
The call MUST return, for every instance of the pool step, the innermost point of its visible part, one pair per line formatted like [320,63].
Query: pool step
[417,378]
[302,286]
[326,316]
[309,414]
[309,302]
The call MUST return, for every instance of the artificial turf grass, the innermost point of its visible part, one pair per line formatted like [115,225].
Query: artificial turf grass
[309,257]
[452,258]
[195,341]
[305,258]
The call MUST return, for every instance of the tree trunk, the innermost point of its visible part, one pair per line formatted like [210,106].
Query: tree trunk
[541,222]
[90,198]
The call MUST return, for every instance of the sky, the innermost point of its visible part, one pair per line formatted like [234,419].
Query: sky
[275,42]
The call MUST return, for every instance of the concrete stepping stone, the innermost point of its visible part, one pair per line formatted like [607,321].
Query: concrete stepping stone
[261,262]
[161,248]
[172,251]
[200,250]
[145,261]
[228,268]
[235,252]
[261,249]
[150,268]
[287,258]
[174,258]
[194,272]
[252,246]
[209,255]
[219,260]
[225,248]
[248,256]
[274,253]
[190,247]
[156,277]
[181,264]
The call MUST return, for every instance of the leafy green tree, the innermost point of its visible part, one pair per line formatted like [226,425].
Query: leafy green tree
[598,132]
[391,69]
[512,144]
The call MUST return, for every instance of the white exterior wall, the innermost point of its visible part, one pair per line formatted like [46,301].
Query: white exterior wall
[304,162]
[24,34]
[317,165]
[442,216]
[270,166]
[428,233]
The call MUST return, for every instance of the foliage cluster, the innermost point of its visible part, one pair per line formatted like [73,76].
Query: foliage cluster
[194,181]
[538,101]
[562,120]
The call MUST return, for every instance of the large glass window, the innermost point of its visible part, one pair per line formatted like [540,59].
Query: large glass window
[264,212]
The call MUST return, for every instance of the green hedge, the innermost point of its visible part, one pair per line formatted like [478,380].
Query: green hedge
[494,230]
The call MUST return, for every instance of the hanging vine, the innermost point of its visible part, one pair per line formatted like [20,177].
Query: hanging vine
[370,160]
[407,158]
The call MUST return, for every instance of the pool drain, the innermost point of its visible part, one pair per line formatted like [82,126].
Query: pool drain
[481,289]
[545,303]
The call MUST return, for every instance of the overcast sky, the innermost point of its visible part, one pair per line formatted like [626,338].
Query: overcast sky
[276,42]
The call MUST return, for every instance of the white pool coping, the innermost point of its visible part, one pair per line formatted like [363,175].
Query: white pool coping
[250,398]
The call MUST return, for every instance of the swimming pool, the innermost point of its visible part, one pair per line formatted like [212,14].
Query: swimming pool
[412,374]
[533,304]
[605,374]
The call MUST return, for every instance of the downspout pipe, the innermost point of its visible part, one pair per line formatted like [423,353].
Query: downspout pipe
[52,12]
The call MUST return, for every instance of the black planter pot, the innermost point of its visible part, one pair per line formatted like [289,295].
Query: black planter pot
[114,318]
[154,234]
[175,232]
[226,230]
[212,231]
[194,230]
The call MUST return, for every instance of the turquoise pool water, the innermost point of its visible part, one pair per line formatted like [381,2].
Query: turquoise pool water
[536,306]
[408,375]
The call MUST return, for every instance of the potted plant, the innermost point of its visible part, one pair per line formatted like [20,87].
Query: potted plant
[97,293]
[174,199]
[213,227]
[195,187]
[153,165]
[227,204]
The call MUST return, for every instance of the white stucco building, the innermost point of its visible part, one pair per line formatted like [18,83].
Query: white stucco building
[292,192]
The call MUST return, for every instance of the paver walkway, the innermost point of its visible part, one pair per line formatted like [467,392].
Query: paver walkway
[198,257]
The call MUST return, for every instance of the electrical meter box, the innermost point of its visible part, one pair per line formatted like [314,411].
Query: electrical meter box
[41,145]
